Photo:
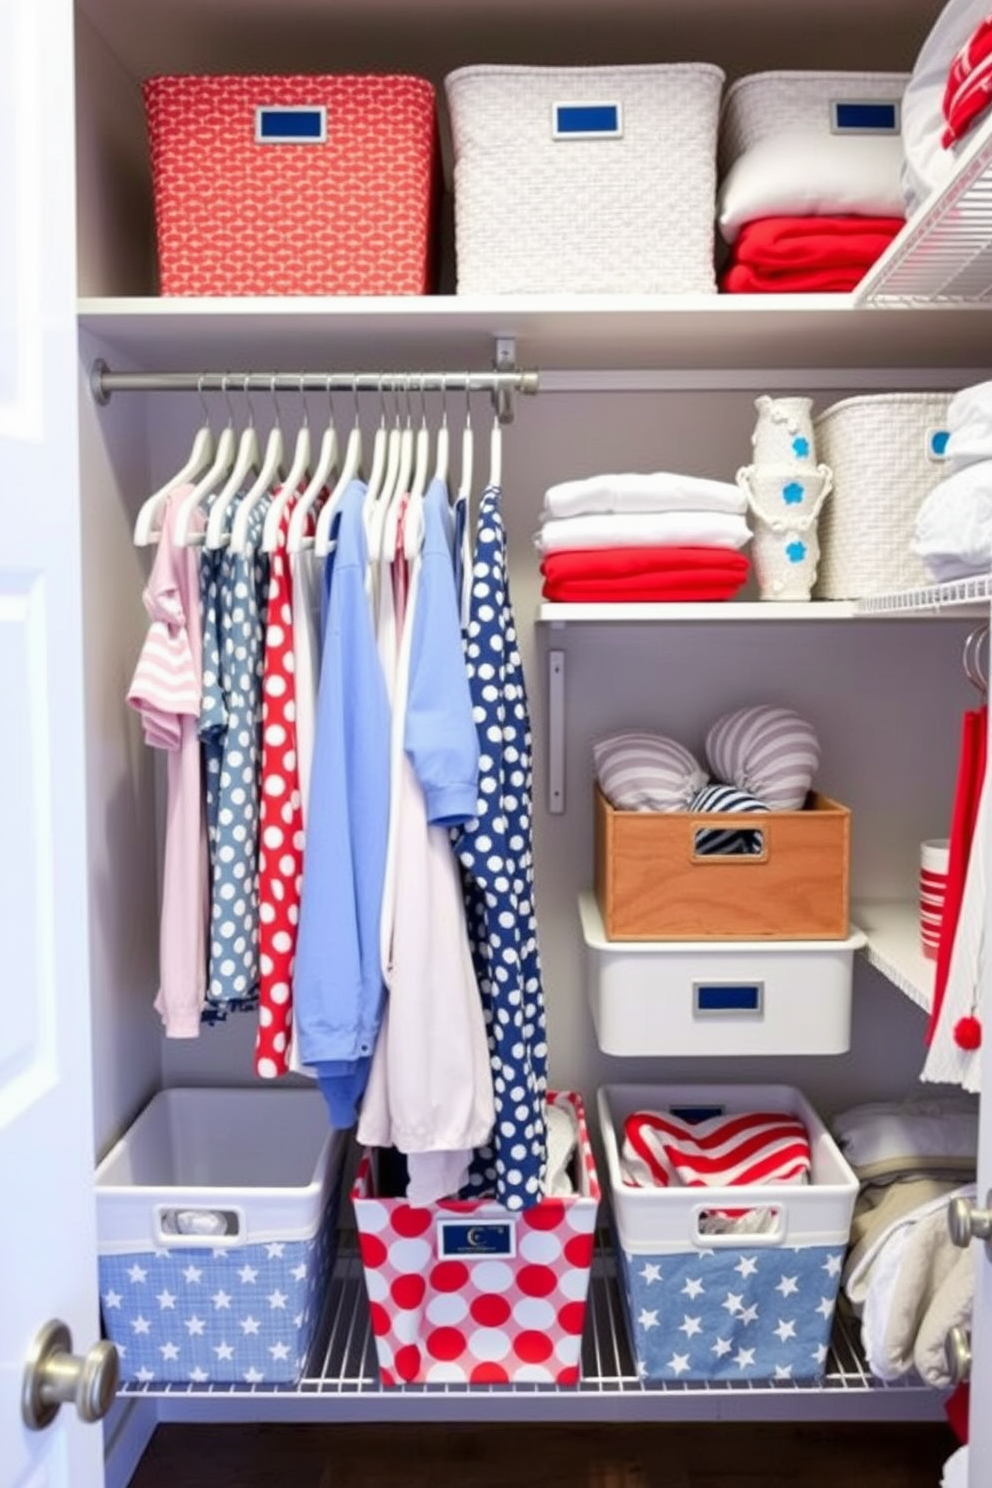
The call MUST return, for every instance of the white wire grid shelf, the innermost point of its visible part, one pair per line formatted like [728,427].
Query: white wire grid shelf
[961,595]
[343,1378]
[943,256]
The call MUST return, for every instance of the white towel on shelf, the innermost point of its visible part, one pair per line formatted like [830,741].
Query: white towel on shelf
[644,530]
[969,423]
[660,491]
[953,528]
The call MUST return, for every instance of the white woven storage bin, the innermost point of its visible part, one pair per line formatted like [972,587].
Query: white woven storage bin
[589,180]
[769,103]
[886,453]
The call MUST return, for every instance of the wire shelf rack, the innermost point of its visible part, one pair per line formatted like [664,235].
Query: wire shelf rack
[965,596]
[943,256]
[342,1381]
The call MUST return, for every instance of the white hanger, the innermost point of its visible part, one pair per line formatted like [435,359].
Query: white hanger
[495,454]
[464,498]
[420,454]
[246,461]
[378,496]
[443,454]
[268,476]
[297,538]
[349,470]
[148,526]
[296,474]
[224,454]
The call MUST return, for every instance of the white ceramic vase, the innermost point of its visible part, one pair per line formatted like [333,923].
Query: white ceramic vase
[785,547]
[783,435]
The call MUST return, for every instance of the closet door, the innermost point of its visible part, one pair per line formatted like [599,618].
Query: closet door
[47,1238]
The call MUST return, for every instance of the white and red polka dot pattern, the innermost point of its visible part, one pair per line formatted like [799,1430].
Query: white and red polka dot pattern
[479,1322]
[280,845]
[350,214]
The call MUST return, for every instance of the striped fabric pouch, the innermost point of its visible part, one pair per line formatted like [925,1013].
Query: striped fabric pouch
[725,841]
[665,1151]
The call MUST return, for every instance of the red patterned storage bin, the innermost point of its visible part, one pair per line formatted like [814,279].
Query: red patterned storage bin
[466,1292]
[293,185]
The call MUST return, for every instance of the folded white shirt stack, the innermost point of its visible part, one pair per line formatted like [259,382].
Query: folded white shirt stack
[634,510]
[953,530]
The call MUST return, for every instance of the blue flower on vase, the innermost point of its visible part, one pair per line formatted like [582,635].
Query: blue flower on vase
[800,446]
[796,552]
[793,493]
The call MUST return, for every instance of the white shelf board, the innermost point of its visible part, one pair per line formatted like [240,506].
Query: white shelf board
[893,931]
[715,334]
[943,256]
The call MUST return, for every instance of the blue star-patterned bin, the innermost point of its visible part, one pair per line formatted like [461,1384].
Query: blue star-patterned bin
[263,1167]
[750,1307]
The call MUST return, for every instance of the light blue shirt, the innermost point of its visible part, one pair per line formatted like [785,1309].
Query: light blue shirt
[338,988]
[439,734]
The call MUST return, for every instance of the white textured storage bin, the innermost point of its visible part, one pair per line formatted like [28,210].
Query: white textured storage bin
[717,997]
[215,1228]
[590,180]
[802,102]
[761,1304]
[886,451]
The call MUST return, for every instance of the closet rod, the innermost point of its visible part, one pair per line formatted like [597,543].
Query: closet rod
[104,382]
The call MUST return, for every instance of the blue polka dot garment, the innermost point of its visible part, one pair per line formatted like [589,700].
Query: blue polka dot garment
[234,591]
[495,852]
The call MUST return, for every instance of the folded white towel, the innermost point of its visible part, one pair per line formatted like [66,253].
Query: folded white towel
[953,529]
[644,530]
[969,420]
[805,175]
[660,491]
[563,1138]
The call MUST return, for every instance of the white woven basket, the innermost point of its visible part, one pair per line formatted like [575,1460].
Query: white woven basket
[886,455]
[770,103]
[590,180]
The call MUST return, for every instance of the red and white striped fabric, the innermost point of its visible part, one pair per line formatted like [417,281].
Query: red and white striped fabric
[665,1151]
[969,84]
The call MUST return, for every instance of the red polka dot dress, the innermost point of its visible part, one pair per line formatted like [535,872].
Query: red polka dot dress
[280,860]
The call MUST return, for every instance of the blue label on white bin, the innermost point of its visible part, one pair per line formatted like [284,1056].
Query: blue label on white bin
[864,116]
[467,1239]
[575,121]
[728,997]
[291,124]
[937,443]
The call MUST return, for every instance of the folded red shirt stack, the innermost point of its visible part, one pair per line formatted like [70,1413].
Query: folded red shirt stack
[778,255]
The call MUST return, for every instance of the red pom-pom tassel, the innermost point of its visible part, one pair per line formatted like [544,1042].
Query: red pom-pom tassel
[968,1033]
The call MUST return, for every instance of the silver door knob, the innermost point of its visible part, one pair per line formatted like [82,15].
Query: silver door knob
[54,1376]
[957,1351]
[967,1223]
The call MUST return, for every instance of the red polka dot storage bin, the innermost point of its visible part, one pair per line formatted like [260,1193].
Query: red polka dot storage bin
[466,1292]
[293,185]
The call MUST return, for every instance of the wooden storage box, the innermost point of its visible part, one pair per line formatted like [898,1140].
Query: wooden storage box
[652,885]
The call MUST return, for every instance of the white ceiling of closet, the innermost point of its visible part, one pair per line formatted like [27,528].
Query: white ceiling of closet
[432,36]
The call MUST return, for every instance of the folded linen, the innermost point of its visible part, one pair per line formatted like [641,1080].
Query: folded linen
[626,563]
[969,84]
[644,530]
[886,1139]
[801,174]
[745,279]
[659,491]
[755,1147]
[695,588]
[969,425]
[953,528]
[806,254]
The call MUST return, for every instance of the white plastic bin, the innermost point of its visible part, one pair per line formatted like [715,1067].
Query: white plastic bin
[588,180]
[718,997]
[747,1307]
[215,1228]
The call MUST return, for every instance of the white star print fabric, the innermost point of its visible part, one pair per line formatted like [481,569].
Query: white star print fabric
[244,1316]
[732,1314]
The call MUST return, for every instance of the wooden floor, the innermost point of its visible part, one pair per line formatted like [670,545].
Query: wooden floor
[697,1456]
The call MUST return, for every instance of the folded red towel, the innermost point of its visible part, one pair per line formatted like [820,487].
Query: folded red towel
[794,255]
[643,589]
[662,1150]
[610,563]
[969,84]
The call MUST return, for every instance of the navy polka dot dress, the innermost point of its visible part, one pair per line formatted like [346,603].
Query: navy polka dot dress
[495,852]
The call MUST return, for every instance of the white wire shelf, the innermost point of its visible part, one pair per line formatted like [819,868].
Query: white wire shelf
[943,256]
[893,948]
[343,1381]
[963,597]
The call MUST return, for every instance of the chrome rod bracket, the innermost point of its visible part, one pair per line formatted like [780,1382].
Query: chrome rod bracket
[504,360]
